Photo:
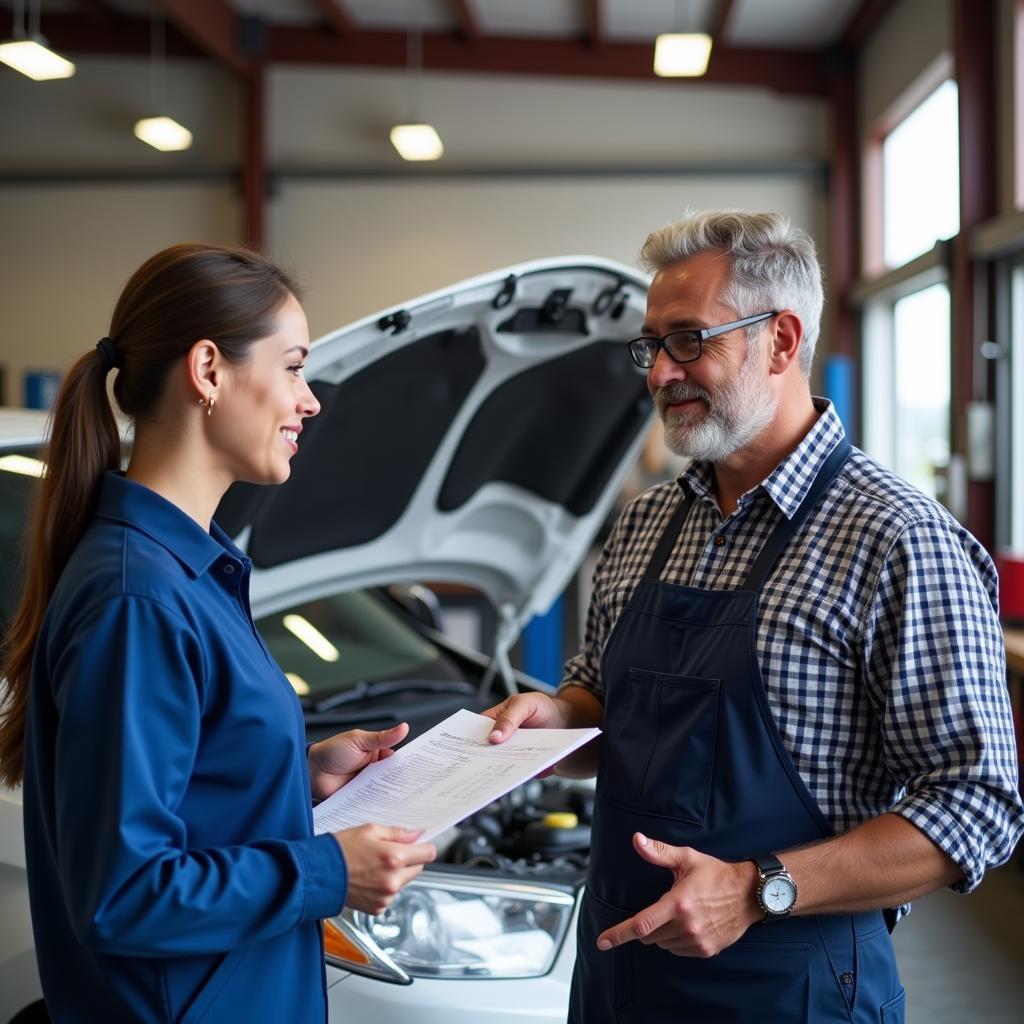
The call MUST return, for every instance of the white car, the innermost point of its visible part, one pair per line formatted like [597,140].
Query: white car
[478,436]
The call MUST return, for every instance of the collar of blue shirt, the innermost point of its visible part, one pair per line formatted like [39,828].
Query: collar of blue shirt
[126,501]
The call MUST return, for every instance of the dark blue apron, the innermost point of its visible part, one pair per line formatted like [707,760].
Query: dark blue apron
[691,755]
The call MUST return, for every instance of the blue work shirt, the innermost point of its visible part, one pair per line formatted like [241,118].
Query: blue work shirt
[172,868]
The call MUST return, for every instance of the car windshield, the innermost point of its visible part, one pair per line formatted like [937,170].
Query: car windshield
[16,488]
[344,640]
[325,646]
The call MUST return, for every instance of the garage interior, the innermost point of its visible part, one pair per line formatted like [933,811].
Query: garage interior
[891,130]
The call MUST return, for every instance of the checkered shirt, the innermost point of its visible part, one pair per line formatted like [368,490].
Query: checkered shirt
[878,641]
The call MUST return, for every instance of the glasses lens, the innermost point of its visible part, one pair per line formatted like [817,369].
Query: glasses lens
[644,351]
[683,346]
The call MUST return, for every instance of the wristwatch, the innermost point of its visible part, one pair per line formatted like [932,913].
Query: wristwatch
[776,890]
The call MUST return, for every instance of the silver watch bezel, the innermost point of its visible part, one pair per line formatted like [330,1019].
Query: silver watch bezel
[764,877]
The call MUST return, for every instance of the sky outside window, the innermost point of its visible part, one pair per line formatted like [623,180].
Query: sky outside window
[921,178]
[921,337]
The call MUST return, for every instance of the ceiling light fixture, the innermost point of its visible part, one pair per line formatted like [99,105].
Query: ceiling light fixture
[23,465]
[415,140]
[301,627]
[28,52]
[681,54]
[161,132]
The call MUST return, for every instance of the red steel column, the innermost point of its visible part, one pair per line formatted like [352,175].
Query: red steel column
[973,33]
[254,161]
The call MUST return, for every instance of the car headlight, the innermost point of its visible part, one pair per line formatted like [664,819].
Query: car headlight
[455,926]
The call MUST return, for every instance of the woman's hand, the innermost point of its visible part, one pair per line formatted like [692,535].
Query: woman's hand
[335,761]
[381,861]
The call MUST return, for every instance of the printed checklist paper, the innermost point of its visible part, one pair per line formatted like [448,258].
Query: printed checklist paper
[445,775]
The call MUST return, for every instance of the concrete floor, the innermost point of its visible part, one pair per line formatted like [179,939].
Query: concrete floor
[962,957]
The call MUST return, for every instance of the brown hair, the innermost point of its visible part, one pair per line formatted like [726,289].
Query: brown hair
[178,296]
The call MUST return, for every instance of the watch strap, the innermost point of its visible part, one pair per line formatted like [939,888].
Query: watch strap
[768,864]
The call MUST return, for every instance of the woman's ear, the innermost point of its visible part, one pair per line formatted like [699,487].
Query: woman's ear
[204,366]
[786,341]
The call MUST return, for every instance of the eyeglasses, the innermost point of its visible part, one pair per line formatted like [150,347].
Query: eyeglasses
[684,346]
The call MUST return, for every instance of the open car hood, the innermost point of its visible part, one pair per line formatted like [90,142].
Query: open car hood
[478,434]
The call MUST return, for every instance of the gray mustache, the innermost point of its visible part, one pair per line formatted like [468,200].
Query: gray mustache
[679,392]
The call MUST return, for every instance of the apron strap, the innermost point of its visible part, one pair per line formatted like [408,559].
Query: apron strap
[667,541]
[788,528]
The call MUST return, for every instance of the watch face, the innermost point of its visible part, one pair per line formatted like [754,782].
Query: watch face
[779,895]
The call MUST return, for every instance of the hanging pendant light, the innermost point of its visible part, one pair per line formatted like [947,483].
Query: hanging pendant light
[681,54]
[29,53]
[160,131]
[415,140]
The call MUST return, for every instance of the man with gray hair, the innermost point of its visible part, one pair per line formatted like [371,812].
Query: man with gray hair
[795,660]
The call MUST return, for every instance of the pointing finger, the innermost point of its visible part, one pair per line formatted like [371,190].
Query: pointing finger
[639,926]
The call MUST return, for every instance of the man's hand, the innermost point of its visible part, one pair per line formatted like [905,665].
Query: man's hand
[335,761]
[709,906]
[526,710]
[381,860]
[573,708]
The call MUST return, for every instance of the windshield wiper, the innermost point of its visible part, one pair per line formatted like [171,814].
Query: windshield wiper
[363,690]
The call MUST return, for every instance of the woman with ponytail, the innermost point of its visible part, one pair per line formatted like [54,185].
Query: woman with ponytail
[173,872]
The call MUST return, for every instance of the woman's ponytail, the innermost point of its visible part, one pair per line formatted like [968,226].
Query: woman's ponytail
[83,445]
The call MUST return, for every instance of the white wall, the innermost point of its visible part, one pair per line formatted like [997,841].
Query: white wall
[67,251]
[85,122]
[901,47]
[321,117]
[361,246]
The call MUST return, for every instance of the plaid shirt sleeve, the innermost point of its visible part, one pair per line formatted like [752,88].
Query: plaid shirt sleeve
[584,669]
[935,669]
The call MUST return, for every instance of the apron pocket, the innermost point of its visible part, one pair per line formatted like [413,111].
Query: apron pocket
[601,980]
[658,751]
[748,983]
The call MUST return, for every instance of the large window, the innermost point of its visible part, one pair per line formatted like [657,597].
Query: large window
[1013,407]
[907,386]
[913,204]
[922,359]
[920,178]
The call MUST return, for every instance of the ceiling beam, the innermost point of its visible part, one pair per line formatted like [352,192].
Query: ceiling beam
[77,34]
[863,22]
[788,71]
[97,10]
[593,15]
[797,72]
[468,24]
[337,17]
[213,26]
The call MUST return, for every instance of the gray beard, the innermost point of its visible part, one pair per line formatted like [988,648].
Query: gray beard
[742,409]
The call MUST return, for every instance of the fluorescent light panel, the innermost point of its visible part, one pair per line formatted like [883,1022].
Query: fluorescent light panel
[682,54]
[163,133]
[311,637]
[417,141]
[22,464]
[34,58]
[299,685]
